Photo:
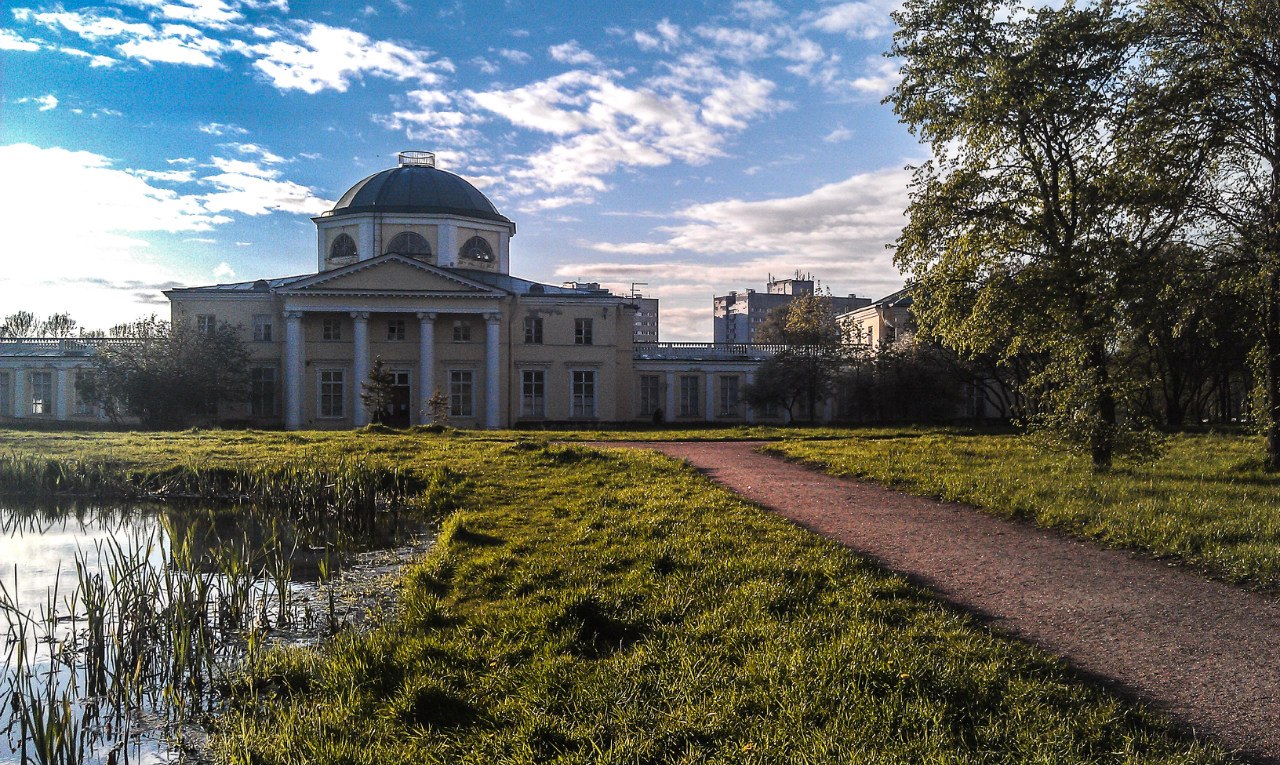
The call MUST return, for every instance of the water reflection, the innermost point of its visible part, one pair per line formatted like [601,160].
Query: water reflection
[118,622]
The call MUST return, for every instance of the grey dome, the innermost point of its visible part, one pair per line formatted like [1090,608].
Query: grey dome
[420,189]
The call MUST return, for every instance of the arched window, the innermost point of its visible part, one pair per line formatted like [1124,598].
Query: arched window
[343,247]
[410,244]
[475,248]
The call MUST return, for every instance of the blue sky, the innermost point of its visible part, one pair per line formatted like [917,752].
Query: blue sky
[697,147]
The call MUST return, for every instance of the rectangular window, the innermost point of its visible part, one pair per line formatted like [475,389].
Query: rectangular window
[206,323]
[262,328]
[584,394]
[262,391]
[331,329]
[650,394]
[533,330]
[582,332]
[533,389]
[84,407]
[6,394]
[689,395]
[42,392]
[729,396]
[333,393]
[460,393]
[395,329]
[462,331]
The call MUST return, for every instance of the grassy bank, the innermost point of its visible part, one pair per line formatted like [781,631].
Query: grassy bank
[1206,502]
[617,607]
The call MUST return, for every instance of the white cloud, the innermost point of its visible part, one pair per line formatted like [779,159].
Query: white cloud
[247,187]
[485,65]
[95,60]
[217,14]
[10,40]
[166,176]
[741,45]
[170,43]
[45,103]
[431,116]
[224,271]
[571,53]
[326,57]
[220,129]
[757,10]
[263,154]
[515,56]
[882,78]
[839,135]
[857,20]
[837,231]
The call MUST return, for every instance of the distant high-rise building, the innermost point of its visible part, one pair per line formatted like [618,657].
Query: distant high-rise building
[737,314]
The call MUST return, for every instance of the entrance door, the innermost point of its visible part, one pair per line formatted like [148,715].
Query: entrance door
[401,406]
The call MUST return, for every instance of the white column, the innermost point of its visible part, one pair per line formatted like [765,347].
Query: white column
[60,394]
[671,397]
[491,371]
[426,364]
[448,255]
[293,370]
[711,397]
[827,410]
[359,365]
[21,401]
[751,412]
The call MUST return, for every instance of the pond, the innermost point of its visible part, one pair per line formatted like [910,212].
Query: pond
[118,623]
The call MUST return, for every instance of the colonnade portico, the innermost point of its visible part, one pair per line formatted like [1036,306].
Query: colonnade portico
[295,355]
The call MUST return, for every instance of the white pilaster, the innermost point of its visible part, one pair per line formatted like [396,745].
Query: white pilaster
[366,245]
[504,252]
[711,397]
[426,364]
[21,401]
[359,365]
[491,371]
[671,397]
[750,410]
[294,365]
[448,255]
[60,396]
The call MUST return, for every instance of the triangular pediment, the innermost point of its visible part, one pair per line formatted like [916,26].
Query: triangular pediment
[390,274]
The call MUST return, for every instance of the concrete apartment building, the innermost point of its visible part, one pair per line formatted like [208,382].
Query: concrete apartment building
[736,315]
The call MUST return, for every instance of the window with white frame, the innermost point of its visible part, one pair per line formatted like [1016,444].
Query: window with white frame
[262,329]
[650,394]
[206,323]
[6,393]
[461,392]
[331,328]
[42,392]
[262,391]
[689,395]
[333,393]
[395,329]
[462,331]
[533,390]
[583,394]
[533,330]
[728,395]
[582,331]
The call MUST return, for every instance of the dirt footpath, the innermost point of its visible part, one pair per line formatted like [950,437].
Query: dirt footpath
[1205,652]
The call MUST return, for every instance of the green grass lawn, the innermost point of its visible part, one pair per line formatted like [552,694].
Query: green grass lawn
[1206,502]
[616,607]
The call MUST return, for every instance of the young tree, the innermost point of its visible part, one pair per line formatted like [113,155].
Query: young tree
[1225,55]
[378,392]
[1052,173]
[171,376]
[19,324]
[58,325]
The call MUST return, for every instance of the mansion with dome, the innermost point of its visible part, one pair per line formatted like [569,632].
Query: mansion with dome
[413,268]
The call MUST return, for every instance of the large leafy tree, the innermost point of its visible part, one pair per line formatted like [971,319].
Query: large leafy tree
[170,375]
[1054,170]
[1225,54]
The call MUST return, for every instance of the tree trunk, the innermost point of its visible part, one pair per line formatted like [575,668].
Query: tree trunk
[1271,385]
[1102,439]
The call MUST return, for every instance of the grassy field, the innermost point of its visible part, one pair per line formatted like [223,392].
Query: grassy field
[1207,502]
[602,607]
